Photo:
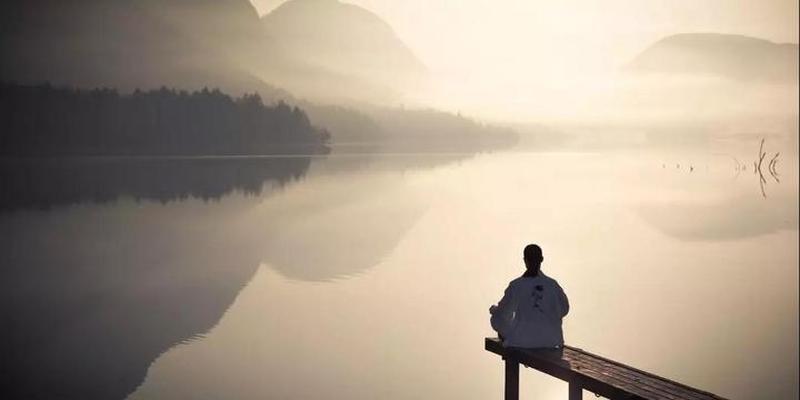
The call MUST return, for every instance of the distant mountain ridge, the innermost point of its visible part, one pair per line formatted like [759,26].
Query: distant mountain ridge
[329,44]
[328,54]
[130,44]
[318,49]
[734,57]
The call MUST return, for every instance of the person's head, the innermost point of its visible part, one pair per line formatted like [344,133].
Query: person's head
[533,258]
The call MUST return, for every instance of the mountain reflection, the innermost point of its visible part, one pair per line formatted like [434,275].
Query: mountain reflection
[330,227]
[84,317]
[90,296]
[46,183]
[730,219]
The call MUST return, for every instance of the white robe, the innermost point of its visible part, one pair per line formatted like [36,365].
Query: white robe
[529,314]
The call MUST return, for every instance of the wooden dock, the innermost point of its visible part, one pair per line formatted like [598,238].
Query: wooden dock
[587,371]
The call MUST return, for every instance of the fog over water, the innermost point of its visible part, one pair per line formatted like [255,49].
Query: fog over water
[307,199]
[339,282]
[699,265]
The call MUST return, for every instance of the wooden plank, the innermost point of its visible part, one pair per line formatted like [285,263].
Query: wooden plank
[663,387]
[648,374]
[550,362]
[630,387]
[666,388]
[599,375]
[620,378]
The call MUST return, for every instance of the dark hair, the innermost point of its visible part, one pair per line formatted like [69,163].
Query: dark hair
[533,260]
[533,252]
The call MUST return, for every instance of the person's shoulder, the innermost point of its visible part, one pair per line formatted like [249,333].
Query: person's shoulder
[547,278]
[518,281]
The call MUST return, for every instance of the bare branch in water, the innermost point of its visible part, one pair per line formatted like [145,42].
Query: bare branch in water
[773,163]
[771,167]
[757,168]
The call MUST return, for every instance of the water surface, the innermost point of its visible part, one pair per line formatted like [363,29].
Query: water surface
[370,276]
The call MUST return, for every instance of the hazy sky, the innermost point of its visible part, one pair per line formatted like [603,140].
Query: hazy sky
[492,48]
[448,33]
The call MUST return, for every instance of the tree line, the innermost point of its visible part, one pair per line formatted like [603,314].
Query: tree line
[44,120]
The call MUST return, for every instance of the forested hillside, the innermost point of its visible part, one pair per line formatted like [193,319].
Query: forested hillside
[46,120]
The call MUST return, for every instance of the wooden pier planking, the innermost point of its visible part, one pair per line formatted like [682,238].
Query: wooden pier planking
[587,371]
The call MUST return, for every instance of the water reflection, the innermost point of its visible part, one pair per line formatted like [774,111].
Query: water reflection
[729,219]
[89,297]
[45,183]
[420,313]
[331,227]
[91,294]
[721,204]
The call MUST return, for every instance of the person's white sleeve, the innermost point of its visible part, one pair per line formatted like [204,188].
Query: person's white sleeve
[564,301]
[502,319]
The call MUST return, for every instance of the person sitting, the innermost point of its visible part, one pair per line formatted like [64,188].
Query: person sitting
[530,313]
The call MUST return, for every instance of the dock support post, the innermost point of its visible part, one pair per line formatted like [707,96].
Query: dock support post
[575,390]
[512,379]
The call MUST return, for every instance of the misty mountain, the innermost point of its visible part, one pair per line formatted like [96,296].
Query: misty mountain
[336,51]
[130,44]
[734,57]
[330,53]
[391,129]
[320,49]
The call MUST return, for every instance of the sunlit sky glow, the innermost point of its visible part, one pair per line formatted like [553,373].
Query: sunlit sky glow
[483,52]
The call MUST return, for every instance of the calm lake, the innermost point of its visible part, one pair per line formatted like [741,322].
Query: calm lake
[370,276]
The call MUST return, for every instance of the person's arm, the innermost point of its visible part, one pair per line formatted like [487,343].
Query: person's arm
[563,300]
[503,313]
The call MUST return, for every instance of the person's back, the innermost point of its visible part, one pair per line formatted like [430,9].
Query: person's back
[530,312]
